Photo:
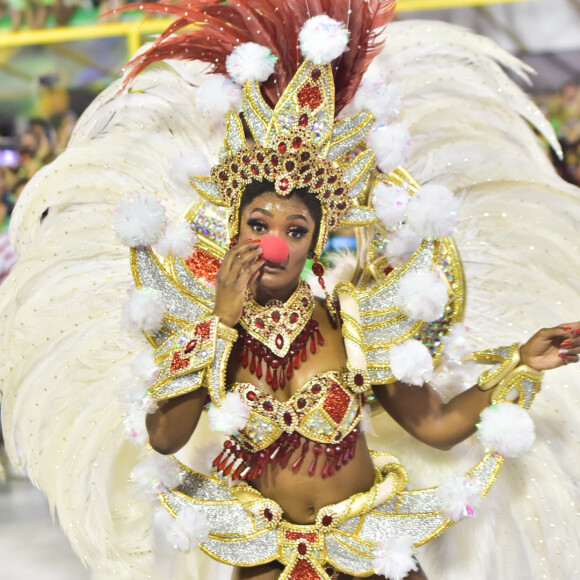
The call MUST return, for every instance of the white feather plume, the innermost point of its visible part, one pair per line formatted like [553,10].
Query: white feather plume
[323,39]
[411,362]
[250,61]
[187,163]
[423,295]
[506,428]
[391,145]
[433,211]
[144,367]
[144,310]
[393,557]
[456,343]
[139,219]
[230,416]
[390,203]
[179,239]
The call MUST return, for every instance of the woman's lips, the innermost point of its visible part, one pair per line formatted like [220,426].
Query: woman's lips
[273,268]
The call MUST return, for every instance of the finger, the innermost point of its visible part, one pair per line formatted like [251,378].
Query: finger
[569,351]
[561,331]
[250,271]
[570,359]
[235,256]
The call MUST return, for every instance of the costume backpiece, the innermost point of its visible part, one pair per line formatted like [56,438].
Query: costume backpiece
[65,357]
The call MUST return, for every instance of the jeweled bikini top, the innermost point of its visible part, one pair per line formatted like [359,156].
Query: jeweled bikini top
[323,414]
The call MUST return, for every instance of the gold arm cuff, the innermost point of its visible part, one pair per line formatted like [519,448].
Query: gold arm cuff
[226,332]
[523,382]
[507,357]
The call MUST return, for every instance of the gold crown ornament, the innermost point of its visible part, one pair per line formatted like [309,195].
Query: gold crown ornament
[298,144]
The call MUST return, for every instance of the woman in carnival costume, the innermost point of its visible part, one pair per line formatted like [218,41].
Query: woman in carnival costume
[289,380]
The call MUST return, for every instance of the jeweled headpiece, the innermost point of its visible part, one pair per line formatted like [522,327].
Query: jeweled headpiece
[297,143]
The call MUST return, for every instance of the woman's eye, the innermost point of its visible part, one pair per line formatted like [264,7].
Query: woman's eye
[297,233]
[258,226]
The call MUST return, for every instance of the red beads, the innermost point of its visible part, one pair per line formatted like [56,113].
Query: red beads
[326,520]
[282,147]
[359,380]
[318,269]
[302,548]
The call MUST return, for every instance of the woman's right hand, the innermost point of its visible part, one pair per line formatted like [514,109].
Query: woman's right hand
[240,267]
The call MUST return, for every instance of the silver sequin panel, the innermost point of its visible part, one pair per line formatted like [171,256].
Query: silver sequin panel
[214,387]
[176,304]
[347,126]
[178,385]
[185,277]
[346,560]
[245,552]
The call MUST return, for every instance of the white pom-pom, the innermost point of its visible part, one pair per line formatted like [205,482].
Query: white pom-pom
[187,530]
[456,343]
[393,557]
[231,416]
[186,163]
[390,204]
[135,404]
[403,243]
[381,99]
[145,368]
[250,62]
[411,362]
[216,96]
[178,240]
[391,145]
[433,211]
[155,474]
[506,428]
[323,39]
[459,497]
[423,295]
[144,310]
[139,219]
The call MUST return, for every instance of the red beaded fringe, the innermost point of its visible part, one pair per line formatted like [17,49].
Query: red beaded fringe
[252,353]
[244,464]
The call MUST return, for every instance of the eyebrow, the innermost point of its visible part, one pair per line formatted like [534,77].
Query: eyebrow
[270,214]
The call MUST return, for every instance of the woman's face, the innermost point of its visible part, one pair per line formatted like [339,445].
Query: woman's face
[290,219]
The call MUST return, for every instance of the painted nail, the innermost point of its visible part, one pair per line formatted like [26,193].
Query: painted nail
[577,331]
[566,343]
[567,328]
[562,355]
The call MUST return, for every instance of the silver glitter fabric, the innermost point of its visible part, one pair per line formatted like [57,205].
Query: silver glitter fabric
[216,384]
[529,392]
[180,385]
[244,552]
[348,133]
[200,487]
[185,277]
[152,275]
[359,166]
[359,187]
[235,134]
[346,560]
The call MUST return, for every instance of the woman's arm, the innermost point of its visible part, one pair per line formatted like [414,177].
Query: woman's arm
[175,420]
[422,412]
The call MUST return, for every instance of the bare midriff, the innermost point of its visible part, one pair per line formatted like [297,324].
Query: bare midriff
[300,495]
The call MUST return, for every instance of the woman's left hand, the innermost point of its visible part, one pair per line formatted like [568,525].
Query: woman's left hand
[554,347]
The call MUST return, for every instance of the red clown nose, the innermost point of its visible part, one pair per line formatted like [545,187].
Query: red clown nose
[275,249]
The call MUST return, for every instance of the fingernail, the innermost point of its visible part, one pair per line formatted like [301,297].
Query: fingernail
[562,354]
[260,250]
[567,328]
[577,331]
[566,343]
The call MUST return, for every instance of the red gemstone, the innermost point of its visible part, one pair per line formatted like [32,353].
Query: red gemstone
[282,147]
[243,174]
[318,269]
[284,184]
[305,156]
[303,120]
[279,341]
[339,191]
[259,323]
[341,205]
[326,194]
[326,520]
[319,183]
[359,380]
[255,169]
[301,403]
[268,406]
[190,346]
[332,179]
[302,548]
[274,160]
[287,418]
[229,191]
[268,514]
[267,169]
[297,142]
[316,388]
[235,167]
[294,317]
[223,176]
[251,396]
[290,165]
[236,183]
[319,171]
[276,316]
[304,302]
[308,178]
[316,74]
[260,157]
[246,159]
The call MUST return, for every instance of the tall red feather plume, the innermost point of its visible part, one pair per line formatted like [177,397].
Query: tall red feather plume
[272,23]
